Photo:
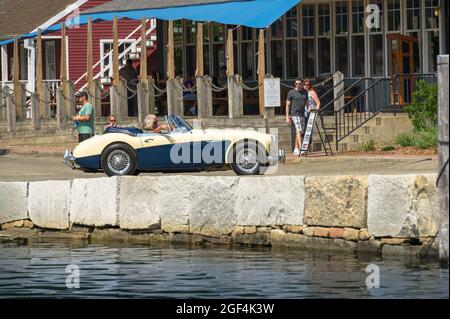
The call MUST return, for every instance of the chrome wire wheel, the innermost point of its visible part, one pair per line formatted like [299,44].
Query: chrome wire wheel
[247,160]
[118,162]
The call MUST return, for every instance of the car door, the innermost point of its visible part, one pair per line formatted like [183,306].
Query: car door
[156,150]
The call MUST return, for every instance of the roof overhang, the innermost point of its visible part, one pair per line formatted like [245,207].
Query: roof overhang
[251,13]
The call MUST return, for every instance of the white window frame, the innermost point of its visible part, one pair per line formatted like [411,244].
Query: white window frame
[102,54]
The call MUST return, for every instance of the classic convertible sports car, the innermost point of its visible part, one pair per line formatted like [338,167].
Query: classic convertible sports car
[127,151]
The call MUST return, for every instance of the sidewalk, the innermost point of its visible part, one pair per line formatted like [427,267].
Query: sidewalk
[58,151]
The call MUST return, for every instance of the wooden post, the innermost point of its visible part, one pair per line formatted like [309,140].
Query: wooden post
[10,110]
[90,60]
[65,112]
[170,54]
[115,57]
[144,75]
[173,88]
[60,108]
[235,97]
[174,97]
[35,111]
[204,96]
[18,99]
[46,100]
[142,99]
[338,85]
[97,98]
[200,71]
[204,92]
[71,101]
[40,74]
[443,138]
[151,96]
[230,54]
[262,73]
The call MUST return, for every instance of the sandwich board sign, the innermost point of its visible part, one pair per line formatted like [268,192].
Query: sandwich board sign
[309,131]
[272,92]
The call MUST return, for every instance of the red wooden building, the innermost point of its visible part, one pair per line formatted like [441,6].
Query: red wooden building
[54,12]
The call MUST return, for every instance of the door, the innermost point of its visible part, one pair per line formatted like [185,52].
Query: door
[401,67]
[50,60]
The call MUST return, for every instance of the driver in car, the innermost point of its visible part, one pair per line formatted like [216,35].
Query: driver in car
[152,124]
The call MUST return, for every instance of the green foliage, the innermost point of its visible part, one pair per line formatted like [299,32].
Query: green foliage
[388,148]
[368,146]
[404,139]
[426,138]
[423,108]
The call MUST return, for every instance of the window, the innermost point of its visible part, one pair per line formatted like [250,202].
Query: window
[341,18]
[248,57]
[413,14]
[247,54]
[358,45]
[377,45]
[178,46]
[50,60]
[191,49]
[324,47]
[432,14]
[341,41]
[308,20]
[218,49]
[393,15]
[416,51]
[308,58]
[358,55]
[291,44]
[276,48]
[433,49]
[277,58]
[342,54]
[358,16]
[324,19]
[277,29]
[106,49]
[308,41]
[432,32]
[376,55]
[291,23]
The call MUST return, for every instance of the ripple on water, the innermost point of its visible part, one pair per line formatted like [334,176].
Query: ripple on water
[152,272]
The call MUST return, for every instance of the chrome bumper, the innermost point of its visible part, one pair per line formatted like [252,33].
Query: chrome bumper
[69,159]
[278,158]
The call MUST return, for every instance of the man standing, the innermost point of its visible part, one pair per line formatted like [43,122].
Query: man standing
[295,110]
[130,74]
[85,118]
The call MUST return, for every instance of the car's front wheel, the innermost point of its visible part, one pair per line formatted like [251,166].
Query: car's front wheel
[119,160]
[247,159]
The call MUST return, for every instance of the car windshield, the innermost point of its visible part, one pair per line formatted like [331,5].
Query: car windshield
[178,123]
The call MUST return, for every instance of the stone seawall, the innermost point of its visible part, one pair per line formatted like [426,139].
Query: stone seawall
[389,214]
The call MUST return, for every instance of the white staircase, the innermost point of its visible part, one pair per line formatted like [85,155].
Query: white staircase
[132,52]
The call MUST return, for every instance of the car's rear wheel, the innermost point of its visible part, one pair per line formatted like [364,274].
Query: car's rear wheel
[247,158]
[119,160]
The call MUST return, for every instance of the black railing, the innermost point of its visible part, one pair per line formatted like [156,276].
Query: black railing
[361,99]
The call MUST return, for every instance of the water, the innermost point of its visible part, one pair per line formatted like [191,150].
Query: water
[39,270]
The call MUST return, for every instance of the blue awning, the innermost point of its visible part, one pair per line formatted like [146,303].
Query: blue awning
[250,13]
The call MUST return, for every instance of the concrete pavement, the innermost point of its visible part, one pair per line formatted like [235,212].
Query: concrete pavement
[40,167]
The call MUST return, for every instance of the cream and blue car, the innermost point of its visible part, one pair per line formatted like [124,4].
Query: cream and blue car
[128,151]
